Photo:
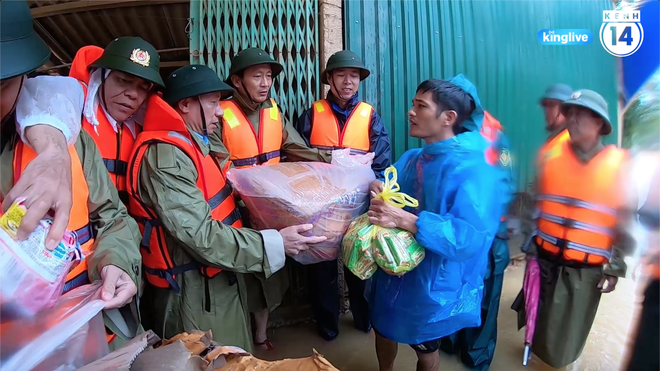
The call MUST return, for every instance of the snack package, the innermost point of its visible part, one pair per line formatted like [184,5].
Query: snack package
[357,251]
[394,250]
[32,276]
[327,196]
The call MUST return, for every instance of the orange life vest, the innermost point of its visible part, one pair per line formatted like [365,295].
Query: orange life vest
[327,133]
[115,152]
[577,204]
[164,125]
[78,218]
[490,130]
[547,149]
[651,269]
[246,147]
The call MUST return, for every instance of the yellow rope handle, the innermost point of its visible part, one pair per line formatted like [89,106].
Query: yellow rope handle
[391,194]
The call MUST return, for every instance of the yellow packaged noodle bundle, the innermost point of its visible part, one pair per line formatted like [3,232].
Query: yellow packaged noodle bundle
[367,246]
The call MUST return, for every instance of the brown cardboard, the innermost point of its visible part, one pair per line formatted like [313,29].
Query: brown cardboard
[250,363]
[122,359]
[171,357]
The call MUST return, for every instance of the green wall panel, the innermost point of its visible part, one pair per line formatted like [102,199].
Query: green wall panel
[288,29]
[494,44]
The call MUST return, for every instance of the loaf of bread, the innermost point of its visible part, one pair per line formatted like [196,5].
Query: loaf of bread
[286,194]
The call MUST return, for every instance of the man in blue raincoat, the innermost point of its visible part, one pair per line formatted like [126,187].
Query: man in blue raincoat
[459,211]
[476,345]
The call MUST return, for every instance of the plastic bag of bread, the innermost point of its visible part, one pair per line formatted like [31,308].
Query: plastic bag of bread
[325,195]
[367,246]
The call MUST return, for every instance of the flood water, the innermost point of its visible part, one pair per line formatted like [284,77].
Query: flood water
[354,351]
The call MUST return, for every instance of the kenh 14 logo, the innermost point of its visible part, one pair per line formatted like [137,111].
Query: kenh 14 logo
[621,33]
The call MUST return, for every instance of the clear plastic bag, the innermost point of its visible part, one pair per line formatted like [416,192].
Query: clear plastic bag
[32,276]
[324,195]
[344,158]
[62,338]
[394,250]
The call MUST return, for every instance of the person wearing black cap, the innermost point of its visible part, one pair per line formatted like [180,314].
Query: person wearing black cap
[579,239]
[46,183]
[108,237]
[193,240]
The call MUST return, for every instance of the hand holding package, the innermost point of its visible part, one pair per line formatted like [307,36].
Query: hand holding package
[394,250]
[32,276]
[324,195]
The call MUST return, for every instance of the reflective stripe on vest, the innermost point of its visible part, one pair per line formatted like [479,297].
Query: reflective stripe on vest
[115,153]
[79,216]
[327,133]
[577,204]
[247,147]
[159,267]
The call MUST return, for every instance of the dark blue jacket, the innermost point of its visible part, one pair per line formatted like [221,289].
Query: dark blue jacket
[378,138]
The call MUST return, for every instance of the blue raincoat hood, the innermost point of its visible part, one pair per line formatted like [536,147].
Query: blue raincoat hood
[477,118]
[458,216]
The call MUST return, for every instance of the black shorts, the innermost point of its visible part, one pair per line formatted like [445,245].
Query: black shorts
[426,347]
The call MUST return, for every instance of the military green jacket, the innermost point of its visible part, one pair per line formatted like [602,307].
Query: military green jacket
[168,185]
[117,234]
[293,148]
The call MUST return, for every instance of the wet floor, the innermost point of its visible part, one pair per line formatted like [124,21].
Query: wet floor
[354,351]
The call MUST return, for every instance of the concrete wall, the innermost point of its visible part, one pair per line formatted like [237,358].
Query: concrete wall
[331,31]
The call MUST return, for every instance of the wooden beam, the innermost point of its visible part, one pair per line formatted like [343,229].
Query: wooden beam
[89,5]
[58,51]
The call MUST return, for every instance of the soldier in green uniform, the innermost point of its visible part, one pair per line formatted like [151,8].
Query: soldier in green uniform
[570,290]
[255,138]
[551,102]
[46,183]
[115,258]
[167,183]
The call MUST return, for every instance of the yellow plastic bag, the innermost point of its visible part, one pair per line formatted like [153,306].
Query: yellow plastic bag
[394,250]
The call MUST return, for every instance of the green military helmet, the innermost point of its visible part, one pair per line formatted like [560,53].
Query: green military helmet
[132,55]
[21,49]
[192,81]
[593,101]
[253,57]
[344,59]
[560,92]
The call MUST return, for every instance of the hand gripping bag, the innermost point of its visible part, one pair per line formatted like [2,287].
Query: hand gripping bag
[32,276]
[394,250]
[328,196]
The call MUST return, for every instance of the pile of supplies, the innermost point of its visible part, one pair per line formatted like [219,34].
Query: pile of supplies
[195,351]
[367,246]
[328,196]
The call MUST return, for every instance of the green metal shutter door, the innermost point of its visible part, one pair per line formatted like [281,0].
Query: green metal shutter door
[288,29]
[494,44]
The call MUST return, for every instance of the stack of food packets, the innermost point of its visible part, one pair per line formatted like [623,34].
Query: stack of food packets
[367,247]
[32,276]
